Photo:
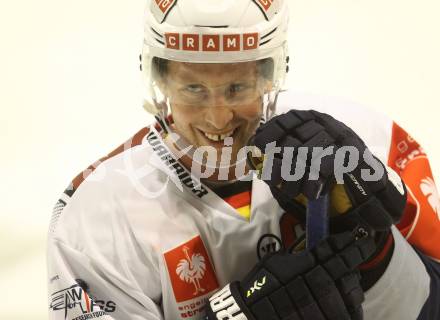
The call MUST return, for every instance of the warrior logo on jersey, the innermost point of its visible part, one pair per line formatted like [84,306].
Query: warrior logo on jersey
[268,243]
[190,270]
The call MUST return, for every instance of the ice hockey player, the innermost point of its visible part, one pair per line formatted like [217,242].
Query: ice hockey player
[175,224]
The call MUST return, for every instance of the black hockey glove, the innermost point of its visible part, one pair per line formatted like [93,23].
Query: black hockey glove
[319,284]
[375,194]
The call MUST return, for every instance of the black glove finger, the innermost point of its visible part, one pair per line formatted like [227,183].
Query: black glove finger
[367,246]
[284,305]
[304,115]
[289,141]
[341,240]
[309,178]
[304,300]
[342,133]
[269,132]
[293,167]
[308,130]
[298,134]
[357,313]
[316,136]
[323,160]
[350,289]
[351,139]
[336,243]
[323,251]
[352,257]
[278,169]
[327,294]
[264,310]
[342,253]
[289,121]
[337,129]
[311,162]
[288,266]
[336,267]
[351,292]
[327,249]
[356,252]
[326,252]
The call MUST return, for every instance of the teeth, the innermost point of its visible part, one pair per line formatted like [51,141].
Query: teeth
[218,137]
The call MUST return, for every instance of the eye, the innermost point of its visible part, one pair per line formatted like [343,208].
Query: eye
[236,88]
[194,88]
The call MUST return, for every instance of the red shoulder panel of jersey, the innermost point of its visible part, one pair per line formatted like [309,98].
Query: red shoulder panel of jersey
[421,221]
[130,143]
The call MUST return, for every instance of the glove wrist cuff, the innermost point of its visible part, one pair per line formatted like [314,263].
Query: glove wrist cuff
[228,304]
[384,243]
[373,269]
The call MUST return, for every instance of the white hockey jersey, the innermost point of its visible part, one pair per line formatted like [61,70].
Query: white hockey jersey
[134,238]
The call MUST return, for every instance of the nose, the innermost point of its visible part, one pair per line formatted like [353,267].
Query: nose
[219,117]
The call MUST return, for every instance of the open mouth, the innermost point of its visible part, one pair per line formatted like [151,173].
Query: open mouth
[218,137]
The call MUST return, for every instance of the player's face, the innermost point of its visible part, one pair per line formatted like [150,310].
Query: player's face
[210,102]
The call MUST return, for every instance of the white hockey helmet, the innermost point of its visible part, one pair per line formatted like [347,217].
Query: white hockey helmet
[214,31]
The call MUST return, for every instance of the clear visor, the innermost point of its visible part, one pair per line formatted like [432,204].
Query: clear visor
[234,93]
[213,106]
